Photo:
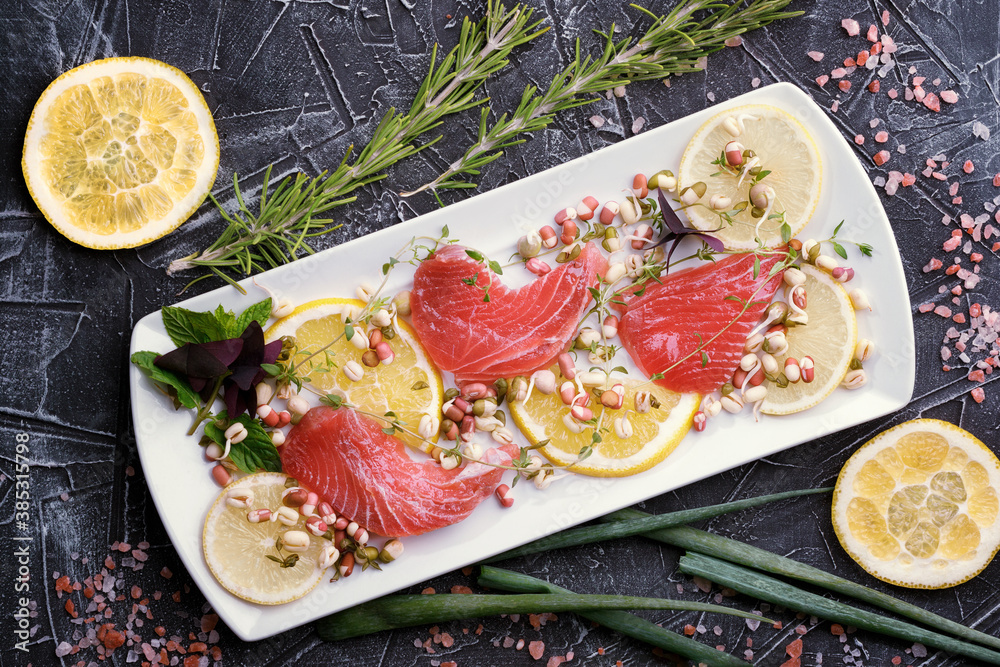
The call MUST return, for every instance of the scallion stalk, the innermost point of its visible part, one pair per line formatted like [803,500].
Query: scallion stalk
[739,553]
[761,587]
[619,621]
[403,611]
[588,534]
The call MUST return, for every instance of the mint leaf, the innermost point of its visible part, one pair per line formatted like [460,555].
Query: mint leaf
[260,311]
[181,390]
[189,326]
[253,453]
[227,322]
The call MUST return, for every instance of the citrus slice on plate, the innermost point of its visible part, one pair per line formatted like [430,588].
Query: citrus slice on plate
[119,152]
[829,337]
[410,386]
[655,433]
[237,551]
[916,506]
[784,148]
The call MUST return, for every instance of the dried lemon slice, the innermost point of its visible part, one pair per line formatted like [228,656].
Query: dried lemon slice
[829,338]
[784,147]
[119,152]
[237,551]
[410,386]
[917,505]
[655,433]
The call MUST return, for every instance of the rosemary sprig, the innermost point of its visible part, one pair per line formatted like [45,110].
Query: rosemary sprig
[280,231]
[673,44]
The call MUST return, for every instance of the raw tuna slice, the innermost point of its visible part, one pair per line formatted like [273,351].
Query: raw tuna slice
[663,325]
[517,332]
[368,476]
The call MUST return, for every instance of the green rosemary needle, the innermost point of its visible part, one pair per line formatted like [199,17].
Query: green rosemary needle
[288,217]
[673,44]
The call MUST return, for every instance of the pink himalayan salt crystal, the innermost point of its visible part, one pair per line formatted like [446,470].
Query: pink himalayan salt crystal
[926,307]
[838,73]
[851,26]
[881,158]
[949,96]
[996,181]
[859,140]
[931,102]
[536,649]
[892,94]
[821,80]
[885,17]
[968,167]
[816,55]
[873,123]
[945,353]
[872,33]
[933,265]
[943,311]
[835,106]
[908,179]
[978,395]
[882,137]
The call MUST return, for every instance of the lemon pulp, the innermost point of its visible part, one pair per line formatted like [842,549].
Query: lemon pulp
[784,147]
[655,433]
[917,505]
[237,551]
[410,386]
[829,337]
[119,152]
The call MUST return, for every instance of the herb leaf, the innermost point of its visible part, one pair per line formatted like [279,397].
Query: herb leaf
[189,326]
[839,249]
[259,311]
[182,391]
[255,452]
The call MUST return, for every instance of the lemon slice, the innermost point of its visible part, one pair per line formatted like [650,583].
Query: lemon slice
[655,433]
[119,152]
[783,146]
[916,506]
[237,551]
[829,338]
[410,386]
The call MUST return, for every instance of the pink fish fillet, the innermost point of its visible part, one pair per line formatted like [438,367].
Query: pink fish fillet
[516,332]
[369,477]
[663,328]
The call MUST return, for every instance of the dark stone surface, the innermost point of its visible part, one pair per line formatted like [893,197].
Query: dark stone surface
[296,83]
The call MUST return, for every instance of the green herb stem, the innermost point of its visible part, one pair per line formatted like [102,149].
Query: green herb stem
[278,232]
[403,611]
[205,410]
[740,553]
[673,44]
[768,589]
[627,624]
[608,531]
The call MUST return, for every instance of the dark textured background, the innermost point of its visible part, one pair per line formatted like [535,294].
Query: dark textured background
[296,83]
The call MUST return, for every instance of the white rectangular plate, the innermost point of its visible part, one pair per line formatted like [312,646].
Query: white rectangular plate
[182,488]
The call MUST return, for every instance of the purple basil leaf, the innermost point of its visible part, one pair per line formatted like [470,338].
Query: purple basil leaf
[714,243]
[670,218]
[192,360]
[271,352]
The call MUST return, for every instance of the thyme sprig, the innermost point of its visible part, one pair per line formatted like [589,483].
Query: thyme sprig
[866,249]
[673,44]
[286,220]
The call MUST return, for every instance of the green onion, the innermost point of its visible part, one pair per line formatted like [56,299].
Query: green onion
[402,611]
[589,534]
[761,587]
[620,621]
[744,554]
